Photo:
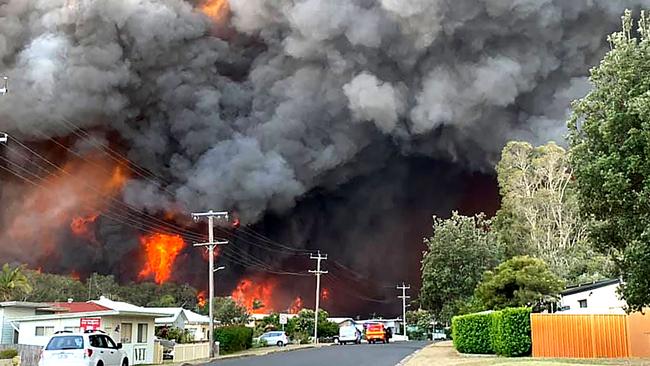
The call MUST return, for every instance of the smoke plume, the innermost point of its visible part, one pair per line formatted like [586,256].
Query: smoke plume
[300,97]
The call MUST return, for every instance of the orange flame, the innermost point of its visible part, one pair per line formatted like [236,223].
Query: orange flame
[82,226]
[218,10]
[325,294]
[296,306]
[75,275]
[257,298]
[62,200]
[201,300]
[161,251]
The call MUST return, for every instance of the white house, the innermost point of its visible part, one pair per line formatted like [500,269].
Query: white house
[131,325]
[11,310]
[198,325]
[593,298]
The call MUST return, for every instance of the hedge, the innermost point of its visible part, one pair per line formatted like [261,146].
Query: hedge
[511,332]
[234,339]
[8,354]
[505,332]
[472,333]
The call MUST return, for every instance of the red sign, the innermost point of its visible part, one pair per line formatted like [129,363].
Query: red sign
[90,323]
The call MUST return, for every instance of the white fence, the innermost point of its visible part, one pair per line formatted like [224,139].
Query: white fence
[191,352]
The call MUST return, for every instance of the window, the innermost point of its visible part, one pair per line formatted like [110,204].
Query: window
[126,332]
[97,341]
[583,303]
[109,342]
[64,343]
[44,331]
[142,333]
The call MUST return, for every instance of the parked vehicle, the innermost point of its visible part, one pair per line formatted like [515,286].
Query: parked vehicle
[375,332]
[278,338]
[83,349]
[349,334]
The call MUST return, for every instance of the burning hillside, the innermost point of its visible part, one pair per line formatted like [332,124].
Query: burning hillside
[339,125]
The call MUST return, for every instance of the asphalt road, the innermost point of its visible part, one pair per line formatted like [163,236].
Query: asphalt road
[349,355]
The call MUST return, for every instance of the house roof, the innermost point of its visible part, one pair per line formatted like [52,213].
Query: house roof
[190,316]
[79,307]
[24,304]
[589,286]
[125,308]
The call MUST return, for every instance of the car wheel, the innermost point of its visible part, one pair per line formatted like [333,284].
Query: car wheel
[125,362]
[280,343]
[100,363]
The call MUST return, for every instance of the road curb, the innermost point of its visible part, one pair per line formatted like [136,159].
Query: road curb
[408,358]
[245,355]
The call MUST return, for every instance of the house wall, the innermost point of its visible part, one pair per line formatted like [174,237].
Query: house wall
[137,352]
[7,314]
[603,300]
[200,331]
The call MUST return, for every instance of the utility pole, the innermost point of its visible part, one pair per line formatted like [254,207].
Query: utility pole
[404,297]
[3,91]
[317,272]
[210,245]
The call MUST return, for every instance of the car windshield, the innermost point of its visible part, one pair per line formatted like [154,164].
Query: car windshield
[66,342]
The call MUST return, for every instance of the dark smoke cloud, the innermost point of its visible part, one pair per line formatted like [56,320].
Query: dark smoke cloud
[448,79]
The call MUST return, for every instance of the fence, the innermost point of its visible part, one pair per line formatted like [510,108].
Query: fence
[191,352]
[591,336]
[29,355]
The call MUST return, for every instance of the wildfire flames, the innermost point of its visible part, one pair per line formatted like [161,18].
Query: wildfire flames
[296,306]
[218,10]
[325,294]
[201,299]
[83,226]
[257,298]
[161,251]
[63,200]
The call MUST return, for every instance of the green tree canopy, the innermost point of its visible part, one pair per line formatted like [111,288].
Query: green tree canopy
[228,312]
[519,281]
[610,150]
[539,213]
[14,285]
[460,250]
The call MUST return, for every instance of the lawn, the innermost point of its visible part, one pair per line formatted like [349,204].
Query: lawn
[443,354]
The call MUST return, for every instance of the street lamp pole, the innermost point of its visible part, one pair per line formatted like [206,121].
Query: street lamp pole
[3,91]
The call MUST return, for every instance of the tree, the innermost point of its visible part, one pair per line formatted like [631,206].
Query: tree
[519,281]
[420,318]
[610,150]
[13,283]
[304,324]
[539,213]
[228,312]
[460,250]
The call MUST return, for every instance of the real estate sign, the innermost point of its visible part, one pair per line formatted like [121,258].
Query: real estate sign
[90,323]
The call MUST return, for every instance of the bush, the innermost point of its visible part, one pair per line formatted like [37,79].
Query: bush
[234,338]
[511,332]
[417,334]
[472,333]
[8,354]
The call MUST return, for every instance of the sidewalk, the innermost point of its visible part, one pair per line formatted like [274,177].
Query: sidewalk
[255,352]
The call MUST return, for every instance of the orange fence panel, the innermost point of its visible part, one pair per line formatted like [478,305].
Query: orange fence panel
[580,336]
[639,330]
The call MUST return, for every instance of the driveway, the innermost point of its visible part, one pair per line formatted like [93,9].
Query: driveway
[350,355]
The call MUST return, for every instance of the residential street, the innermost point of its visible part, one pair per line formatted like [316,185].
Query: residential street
[350,355]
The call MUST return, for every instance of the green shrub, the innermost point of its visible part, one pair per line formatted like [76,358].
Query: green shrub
[234,338]
[8,354]
[472,333]
[511,332]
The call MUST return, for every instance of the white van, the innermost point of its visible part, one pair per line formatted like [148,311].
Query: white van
[349,334]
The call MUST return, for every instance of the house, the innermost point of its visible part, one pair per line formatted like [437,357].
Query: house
[599,297]
[196,324]
[12,310]
[131,325]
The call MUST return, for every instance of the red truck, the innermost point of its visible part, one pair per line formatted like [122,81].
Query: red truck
[375,332]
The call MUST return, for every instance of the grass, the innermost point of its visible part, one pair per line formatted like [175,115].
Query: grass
[445,355]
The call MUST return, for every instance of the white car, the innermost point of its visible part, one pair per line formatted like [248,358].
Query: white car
[278,338]
[349,334]
[82,349]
